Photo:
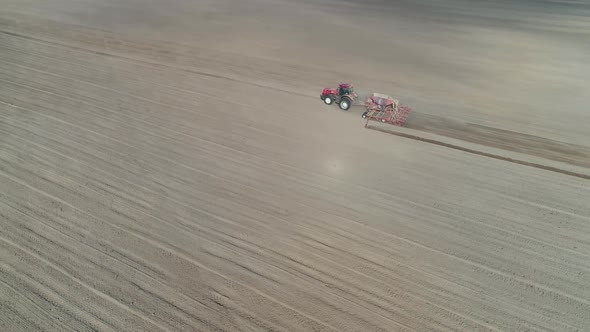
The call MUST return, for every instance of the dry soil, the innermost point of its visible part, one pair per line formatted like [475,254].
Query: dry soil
[169,166]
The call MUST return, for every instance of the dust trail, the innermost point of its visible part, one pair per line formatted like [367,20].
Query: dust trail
[573,154]
[481,153]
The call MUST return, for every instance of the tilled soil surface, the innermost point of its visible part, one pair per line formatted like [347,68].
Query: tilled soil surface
[171,167]
[573,154]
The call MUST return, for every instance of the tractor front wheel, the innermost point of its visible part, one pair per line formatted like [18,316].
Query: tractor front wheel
[345,103]
[328,100]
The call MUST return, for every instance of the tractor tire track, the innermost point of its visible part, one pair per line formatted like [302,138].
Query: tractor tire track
[484,154]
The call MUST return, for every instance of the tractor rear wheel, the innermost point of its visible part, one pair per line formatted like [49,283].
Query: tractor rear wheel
[345,103]
[328,100]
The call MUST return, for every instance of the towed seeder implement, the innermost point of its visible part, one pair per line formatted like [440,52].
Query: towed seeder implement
[383,108]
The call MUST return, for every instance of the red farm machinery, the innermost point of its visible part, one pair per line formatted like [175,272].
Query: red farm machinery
[344,96]
[383,108]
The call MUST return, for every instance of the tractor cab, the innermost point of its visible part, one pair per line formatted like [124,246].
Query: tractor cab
[345,89]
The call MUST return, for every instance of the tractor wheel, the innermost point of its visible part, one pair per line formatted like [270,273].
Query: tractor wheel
[345,103]
[328,100]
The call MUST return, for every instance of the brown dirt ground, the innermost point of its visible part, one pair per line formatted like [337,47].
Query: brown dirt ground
[170,167]
[573,154]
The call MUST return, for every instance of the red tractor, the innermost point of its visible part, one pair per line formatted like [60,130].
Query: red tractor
[344,96]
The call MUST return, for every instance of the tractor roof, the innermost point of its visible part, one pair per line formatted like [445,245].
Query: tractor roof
[345,85]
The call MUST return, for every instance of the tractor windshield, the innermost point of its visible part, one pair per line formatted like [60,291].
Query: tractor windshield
[345,90]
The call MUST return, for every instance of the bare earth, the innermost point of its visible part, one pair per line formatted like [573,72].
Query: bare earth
[572,154]
[169,166]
